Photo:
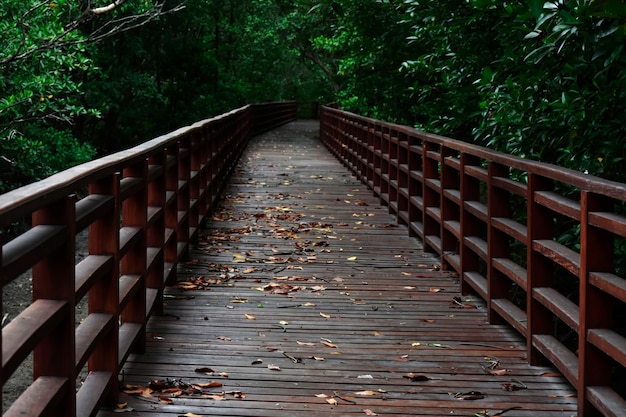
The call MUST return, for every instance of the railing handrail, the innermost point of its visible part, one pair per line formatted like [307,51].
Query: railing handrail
[143,208]
[461,199]
[564,175]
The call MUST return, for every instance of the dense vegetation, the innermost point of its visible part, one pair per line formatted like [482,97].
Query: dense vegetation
[540,79]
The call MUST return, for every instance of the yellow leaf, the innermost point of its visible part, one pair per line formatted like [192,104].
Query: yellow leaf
[283,322]
[352,258]
[331,401]
[416,344]
[366,393]
[326,316]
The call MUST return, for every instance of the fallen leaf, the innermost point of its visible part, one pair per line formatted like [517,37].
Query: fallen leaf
[416,377]
[499,372]
[250,316]
[224,374]
[309,304]
[283,322]
[326,316]
[121,405]
[191,415]
[317,358]
[352,258]
[204,370]
[305,343]
[257,361]
[435,289]
[331,401]
[367,393]
[369,412]
[512,386]
[469,396]
[165,400]
[273,367]
[329,344]
[212,384]
[377,334]
[321,395]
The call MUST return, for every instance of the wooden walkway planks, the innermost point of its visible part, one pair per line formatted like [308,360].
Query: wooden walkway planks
[303,270]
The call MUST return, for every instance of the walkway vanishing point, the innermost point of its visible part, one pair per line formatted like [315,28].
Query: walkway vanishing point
[304,298]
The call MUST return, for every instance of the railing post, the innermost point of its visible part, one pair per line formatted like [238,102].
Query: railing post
[450,181]
[155,233]
[596,255]
[104,294]
[432,209]
[470,225]
[133,263]
[540,226]
[53,279]
[498,205]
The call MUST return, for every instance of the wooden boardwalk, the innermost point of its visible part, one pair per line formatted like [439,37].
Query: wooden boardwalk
[303,298]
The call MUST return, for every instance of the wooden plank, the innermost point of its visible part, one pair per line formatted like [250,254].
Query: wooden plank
[301,268]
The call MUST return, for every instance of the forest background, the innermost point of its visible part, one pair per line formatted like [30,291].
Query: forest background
[83,78]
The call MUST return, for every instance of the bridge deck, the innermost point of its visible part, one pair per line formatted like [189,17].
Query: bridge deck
[304,299]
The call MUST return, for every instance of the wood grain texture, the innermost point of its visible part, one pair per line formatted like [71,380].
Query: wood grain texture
[302,269]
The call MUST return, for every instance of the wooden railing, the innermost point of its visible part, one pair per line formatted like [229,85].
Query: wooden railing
[142,208]
[543,245]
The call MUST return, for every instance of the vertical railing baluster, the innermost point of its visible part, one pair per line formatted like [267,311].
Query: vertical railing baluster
[156,229]
[53,279]
[133,263]
[539,269]
[498,205]
[104,294]
[596,255]
[470,225]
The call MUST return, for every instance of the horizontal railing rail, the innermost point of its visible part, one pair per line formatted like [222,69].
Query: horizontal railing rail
[141,209]
[542,245]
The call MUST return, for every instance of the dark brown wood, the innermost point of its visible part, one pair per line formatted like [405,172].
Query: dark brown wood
[557,202]
[372,304]
[144,207]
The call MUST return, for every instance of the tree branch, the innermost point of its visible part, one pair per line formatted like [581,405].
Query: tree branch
[106,9]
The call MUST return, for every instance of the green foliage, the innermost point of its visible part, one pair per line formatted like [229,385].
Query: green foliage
[41,69]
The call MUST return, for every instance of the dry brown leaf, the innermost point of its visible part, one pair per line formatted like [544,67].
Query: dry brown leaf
[416,377]
[499,372]
[321,395]
[369,412]
[309,304]
[331,401]
[326,316]
[435,289]
[165,400]
[305,343]
[273,367]
[366,393]
[250,316]
[330,345]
